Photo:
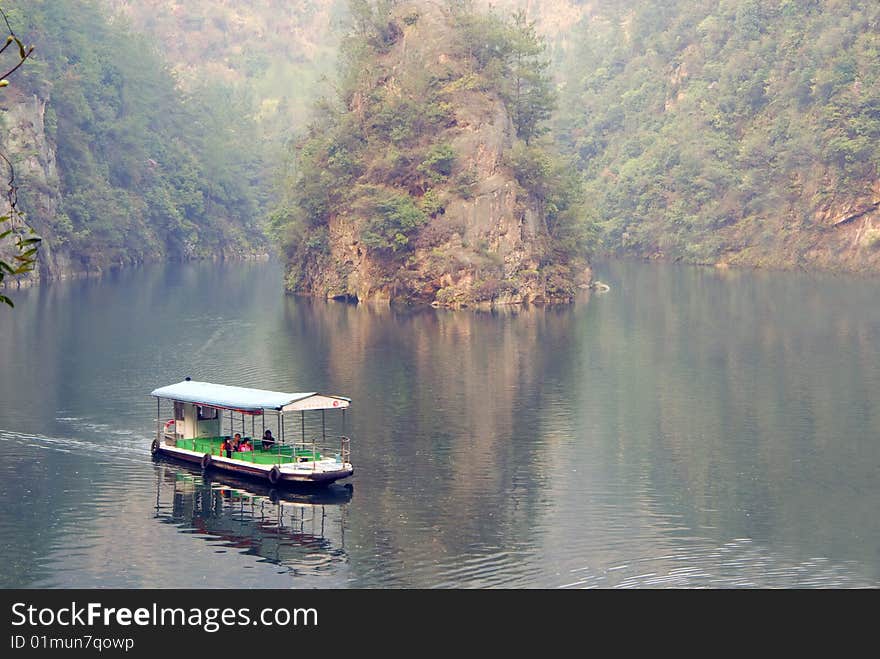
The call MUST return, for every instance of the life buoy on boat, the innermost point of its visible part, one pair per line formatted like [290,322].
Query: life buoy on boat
[154,446]
[206,461]
[274,475]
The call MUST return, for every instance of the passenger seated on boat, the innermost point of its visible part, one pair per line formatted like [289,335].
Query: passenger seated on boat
[226,447]
[245,445]
[236,442]
[268,440]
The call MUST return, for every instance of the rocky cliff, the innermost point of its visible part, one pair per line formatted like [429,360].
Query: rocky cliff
[24,140]
[432,141]
[827,225]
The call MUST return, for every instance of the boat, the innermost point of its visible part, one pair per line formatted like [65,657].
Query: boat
[202,411]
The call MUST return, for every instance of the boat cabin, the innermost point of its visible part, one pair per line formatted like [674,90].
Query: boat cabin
[252,432]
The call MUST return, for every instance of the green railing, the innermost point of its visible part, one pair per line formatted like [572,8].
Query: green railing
[298,452]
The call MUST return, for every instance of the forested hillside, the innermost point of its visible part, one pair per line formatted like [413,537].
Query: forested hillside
[740,131]
[115,165]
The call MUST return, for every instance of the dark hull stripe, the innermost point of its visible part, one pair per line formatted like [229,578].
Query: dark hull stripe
[255,472]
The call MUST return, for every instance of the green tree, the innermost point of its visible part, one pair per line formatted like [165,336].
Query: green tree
[512,55]
[530,94]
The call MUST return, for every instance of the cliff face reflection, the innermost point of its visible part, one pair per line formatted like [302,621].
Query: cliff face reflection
[456,416]
[689,410]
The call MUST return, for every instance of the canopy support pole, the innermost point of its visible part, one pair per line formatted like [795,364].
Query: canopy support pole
[323,440]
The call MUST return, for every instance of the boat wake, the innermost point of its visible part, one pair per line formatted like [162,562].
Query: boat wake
[85,425]
[137,451]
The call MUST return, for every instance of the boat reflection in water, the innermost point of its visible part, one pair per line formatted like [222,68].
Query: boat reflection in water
[301,531]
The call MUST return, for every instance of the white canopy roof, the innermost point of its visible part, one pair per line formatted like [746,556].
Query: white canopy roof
[248,400]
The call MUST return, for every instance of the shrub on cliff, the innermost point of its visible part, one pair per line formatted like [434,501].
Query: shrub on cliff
[391,217]
[437,165]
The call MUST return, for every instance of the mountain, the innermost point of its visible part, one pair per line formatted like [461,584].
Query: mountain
[114,163]
[738,132]
[715,131]
[730,132]
[427,180]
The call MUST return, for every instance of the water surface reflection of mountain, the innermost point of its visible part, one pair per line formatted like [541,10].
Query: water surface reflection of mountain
[691,427]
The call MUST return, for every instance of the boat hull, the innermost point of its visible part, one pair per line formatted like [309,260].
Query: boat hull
[291,474]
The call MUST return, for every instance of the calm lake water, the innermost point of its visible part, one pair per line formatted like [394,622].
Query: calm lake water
[690,428]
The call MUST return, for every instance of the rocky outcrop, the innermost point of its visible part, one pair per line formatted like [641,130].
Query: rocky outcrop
[488,244]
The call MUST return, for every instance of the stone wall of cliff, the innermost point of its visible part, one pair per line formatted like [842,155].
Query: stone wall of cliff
[826,226]
[24,140]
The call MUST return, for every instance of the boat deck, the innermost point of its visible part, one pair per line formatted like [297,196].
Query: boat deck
[276,455]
